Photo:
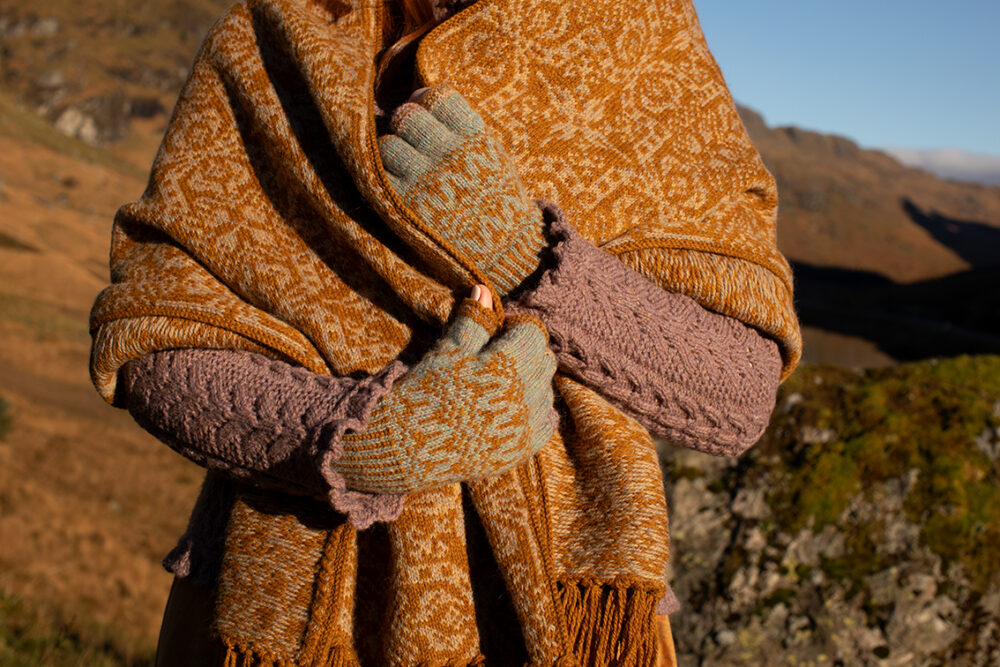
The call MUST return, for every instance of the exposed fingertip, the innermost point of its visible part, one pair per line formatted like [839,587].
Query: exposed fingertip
[403,112]
[486,297]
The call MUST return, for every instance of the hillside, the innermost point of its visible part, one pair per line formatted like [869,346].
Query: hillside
[850,208]
[891,263]
[861,528]
[88,502]
[93,68]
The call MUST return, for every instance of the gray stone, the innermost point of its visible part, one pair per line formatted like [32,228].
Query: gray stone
[988,443]
[47,27]
[74,123]
[725,637]
[811,435]
[751,504]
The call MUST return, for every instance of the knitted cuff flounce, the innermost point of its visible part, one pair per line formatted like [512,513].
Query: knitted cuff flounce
[362,508]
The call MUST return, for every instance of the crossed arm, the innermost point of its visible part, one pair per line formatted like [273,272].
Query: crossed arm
[691,376]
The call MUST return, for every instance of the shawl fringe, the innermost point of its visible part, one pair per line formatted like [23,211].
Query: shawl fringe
[610,624]
[238,655]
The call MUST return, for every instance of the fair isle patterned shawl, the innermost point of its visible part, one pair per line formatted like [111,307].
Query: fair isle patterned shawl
[269,225]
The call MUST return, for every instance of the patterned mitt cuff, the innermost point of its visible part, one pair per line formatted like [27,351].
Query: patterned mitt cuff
[362,508]
[521,257]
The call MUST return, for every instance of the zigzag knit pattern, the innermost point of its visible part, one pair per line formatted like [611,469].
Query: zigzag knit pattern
[692,377]
[451,172]
[467,410]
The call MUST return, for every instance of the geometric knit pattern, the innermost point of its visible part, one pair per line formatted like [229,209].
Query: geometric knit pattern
[618,112]
[432,602]
[450,170]
[467,410]
[461,413]
[692,377]
[269,224]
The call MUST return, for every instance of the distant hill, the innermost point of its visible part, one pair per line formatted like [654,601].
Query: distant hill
[846,207]
[891,262]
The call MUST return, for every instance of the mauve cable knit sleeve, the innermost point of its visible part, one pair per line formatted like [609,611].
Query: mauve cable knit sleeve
[691,376]
[265,421]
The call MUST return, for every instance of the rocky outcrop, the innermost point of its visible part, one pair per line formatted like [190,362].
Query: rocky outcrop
[773,571]
[92,69]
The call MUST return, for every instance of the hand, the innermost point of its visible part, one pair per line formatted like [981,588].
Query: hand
[470,408]
[456,177]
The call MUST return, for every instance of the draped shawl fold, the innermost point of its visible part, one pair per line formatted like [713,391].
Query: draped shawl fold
[268,224]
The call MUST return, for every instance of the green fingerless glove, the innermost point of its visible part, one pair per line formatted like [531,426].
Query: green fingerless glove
[454,174]
[469,409]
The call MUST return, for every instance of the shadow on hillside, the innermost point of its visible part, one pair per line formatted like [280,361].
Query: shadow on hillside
[956,314]
[975,242]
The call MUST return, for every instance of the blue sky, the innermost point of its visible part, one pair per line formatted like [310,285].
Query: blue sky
[914,74]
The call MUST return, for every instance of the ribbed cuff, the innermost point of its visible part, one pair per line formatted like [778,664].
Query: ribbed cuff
[520,258]
[362,508]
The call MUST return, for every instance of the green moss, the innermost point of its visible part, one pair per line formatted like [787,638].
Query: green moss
[717,486]
[735,559]
[780,596]
[914,421]
[686,473]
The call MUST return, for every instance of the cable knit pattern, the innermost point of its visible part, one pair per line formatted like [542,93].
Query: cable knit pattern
[466,410]
[258,419]
[691,376]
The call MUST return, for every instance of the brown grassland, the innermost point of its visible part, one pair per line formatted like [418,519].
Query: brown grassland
[88,501]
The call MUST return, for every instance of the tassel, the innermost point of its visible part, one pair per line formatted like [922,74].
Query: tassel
[239,655]
[610,625]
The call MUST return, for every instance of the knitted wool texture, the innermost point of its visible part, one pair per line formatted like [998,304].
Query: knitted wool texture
[258,419]
[466,410]
[618,112]
[692,377]
[270,225]
[462,411]
[452,173]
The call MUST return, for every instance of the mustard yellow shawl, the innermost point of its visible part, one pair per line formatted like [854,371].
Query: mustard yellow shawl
[269,225]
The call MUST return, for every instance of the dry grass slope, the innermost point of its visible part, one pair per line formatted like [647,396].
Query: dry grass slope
[88,502]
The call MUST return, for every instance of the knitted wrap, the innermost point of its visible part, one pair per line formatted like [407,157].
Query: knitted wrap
[270,225]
